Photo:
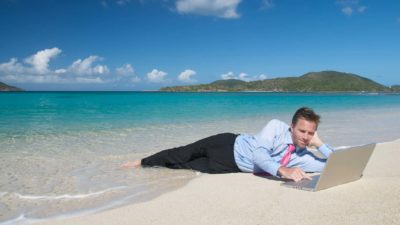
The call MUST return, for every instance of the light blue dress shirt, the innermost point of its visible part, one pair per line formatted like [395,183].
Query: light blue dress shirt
[263,151]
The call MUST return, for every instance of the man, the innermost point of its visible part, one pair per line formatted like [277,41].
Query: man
[278,150]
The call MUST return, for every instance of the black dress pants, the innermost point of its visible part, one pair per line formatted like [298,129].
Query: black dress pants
[213,154]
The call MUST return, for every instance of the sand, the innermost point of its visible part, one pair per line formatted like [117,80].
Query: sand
[247,199]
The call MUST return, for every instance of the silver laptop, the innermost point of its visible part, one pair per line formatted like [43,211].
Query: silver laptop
[342,166]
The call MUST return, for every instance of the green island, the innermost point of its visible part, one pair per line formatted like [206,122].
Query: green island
[324,81]
[5,87]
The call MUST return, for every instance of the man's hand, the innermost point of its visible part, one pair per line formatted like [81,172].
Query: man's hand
[295,173]
[316,141]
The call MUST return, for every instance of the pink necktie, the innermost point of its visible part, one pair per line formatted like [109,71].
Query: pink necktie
[285,159]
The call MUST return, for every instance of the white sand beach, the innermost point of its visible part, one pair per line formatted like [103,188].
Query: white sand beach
[247,199]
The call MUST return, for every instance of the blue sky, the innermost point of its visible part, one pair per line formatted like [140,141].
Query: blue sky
[148,44]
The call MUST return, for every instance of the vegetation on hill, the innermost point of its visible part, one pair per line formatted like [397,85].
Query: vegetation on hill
[309,82]
[5,87]
[395,88]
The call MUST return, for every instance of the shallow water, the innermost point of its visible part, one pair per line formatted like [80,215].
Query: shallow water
[60,152]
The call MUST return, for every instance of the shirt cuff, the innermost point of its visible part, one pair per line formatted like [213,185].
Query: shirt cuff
[273,169]
[326,150]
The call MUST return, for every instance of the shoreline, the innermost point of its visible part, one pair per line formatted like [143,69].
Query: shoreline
[246,199]
[210,91]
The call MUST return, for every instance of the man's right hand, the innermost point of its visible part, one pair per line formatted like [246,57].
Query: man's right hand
[295,173]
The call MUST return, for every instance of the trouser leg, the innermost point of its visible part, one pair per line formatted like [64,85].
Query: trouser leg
[212,155]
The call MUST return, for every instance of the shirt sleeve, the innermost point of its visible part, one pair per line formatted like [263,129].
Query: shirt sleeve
[326,150]
[262,159]
[265,140]
[311,163]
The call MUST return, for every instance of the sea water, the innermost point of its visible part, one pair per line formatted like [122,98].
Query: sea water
[60,152]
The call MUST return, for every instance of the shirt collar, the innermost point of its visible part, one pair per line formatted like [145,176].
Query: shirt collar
[289,140]
[288,137]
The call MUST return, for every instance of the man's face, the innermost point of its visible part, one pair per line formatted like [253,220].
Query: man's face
[302,132]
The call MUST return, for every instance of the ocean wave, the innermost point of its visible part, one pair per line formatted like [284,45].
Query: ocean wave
[23,220]
[351,146]
[20,218]
[343,147]
[68,196]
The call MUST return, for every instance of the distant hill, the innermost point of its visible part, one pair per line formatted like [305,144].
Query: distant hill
[5,87]
[395,88]
[309,82]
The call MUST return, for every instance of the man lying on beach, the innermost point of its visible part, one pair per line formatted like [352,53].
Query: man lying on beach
[278,149]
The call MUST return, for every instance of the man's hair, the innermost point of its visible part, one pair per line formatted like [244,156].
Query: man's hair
[307,114]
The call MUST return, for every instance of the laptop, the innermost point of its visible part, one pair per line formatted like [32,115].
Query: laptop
[343,166]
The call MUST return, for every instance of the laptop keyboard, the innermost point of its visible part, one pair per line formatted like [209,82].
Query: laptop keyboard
[308,184]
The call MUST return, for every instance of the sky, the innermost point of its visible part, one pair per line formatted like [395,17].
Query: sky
[140,45]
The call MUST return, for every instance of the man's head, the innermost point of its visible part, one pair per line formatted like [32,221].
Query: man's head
[304,125]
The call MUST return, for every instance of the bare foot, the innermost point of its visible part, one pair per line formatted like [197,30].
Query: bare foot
[131,164]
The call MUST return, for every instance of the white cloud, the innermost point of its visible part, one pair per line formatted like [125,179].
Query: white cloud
[11,66]
[362,9]
[262,77]
[186,76]
[347,2]
[40,60]
[156,76]
[349,7]
[11,77]
[84,67]
[34,78]
[347,10]
[219,8]
[87,80]
[228,76]
[36,70]
[127,73]
[123,2]
[60,71]
[243,76]
[267,4]
[104,4]
[100,69]
[135,79]
[126,69]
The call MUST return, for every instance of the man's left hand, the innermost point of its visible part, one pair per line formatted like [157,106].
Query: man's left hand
[316,141]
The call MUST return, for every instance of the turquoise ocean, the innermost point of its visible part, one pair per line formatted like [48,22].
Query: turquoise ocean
[60,152]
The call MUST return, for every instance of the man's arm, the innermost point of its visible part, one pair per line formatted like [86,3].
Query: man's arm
[264,161]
